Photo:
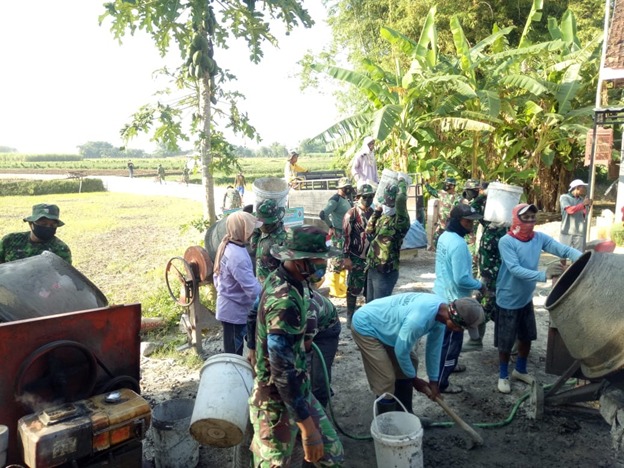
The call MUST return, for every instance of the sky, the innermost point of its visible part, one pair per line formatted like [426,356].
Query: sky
[65,80]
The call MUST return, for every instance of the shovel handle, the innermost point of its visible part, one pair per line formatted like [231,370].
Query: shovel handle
[473,434]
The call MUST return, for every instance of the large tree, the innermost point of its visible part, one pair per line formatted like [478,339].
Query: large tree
[198,29]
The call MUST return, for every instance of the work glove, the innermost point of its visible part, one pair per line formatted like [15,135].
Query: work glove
[554,269]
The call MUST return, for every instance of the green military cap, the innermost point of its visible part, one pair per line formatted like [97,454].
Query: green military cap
[365,189]
[389,196]
[304,242]
[43,210]
[344,182]
[450,181]
[268,212]
[473,184]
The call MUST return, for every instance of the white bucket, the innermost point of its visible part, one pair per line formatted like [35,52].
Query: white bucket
[221,408]
[388,177]
[272,188]
[4,443]
[501,198]
[398,437]
[173,445]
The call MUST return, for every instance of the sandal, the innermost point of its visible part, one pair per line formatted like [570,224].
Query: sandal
[459,368]
[452,389]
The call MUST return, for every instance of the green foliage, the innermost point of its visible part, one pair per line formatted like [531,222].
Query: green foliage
[52,157]
[617,234]
[47,187]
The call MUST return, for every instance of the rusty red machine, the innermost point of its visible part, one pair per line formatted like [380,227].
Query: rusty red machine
[70,379]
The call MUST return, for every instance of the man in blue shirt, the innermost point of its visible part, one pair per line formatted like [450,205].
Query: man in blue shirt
[520,251]
[387,331]
[454,279]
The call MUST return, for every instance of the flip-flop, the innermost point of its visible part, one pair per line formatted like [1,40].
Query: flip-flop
[459,368]
[452,389]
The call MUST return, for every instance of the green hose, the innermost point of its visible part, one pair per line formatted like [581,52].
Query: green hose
[512,413]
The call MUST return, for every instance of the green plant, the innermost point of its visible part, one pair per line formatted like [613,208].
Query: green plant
[617,234]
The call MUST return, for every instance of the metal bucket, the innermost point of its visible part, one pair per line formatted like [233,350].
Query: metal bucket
[174,446]
[585,306]
[44,285]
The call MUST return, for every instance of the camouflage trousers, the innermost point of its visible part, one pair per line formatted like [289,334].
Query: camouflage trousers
[275,435]
[334,265]
[356,278]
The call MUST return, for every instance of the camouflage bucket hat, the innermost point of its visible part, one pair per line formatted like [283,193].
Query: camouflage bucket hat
[450,181]
[344,182]
[304,242]
[365,189]
[268,212]
[389,196]
[44,210]
[472,184]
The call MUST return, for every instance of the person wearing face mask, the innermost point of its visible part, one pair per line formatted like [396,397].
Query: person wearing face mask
[237,287]
[387,227]
[43,223]
[333,215]
[454,280]
[356,242]
[520,251]
[281,405]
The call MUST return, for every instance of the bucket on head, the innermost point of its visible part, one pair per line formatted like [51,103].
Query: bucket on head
[221,409]
[174,447]
[388,177]
[501,199]
[271,188]
[398,437]
[585,306]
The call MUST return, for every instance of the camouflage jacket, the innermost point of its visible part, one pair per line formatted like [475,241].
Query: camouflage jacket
[447,202]
[18,245]
[322,315]
[334,211]
[261,243]
[231,199]
[281,370]
[356,239]
[387,235]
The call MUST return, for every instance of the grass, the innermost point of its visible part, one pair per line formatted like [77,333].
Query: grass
[120,242]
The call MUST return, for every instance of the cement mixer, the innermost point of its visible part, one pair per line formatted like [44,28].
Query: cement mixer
[585,337]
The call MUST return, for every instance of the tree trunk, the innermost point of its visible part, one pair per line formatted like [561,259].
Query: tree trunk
[205,149]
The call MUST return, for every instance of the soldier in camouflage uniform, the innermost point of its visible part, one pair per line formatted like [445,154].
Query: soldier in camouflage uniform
[471,196]
[333,214]
[356,242]
[271,232]
[231,199]
[281,404]
[448,199]
[388,226]
[42,236]
[323,329]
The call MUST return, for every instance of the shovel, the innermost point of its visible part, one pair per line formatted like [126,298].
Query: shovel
[474,436]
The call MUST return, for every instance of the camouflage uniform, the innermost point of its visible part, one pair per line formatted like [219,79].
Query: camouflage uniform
[323,329]
[232,199]
[356,242]
[18,245]
[261,241]
[281,395]
[447,202]
[489,265]
[387,234]
[333,215]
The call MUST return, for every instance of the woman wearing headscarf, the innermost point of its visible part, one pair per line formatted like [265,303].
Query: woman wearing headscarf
[363,165]
[237,287]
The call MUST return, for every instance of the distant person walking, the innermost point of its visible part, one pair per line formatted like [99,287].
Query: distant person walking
[186,175]
[161,174]
[130,169]
[363,164]
[239,184]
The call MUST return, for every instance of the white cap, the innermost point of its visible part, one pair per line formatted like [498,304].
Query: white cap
[576,183]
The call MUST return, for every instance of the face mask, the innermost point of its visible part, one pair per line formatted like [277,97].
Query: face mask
[388,211]
[314,272]
[45,233]
[366,201]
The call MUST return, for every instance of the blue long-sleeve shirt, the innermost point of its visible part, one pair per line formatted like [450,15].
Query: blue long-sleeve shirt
[400,321]
[518,274]
[453,268]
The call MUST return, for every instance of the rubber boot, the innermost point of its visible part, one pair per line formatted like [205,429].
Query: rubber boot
[351,300]
[386,407]
[336,288]
[404,391]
